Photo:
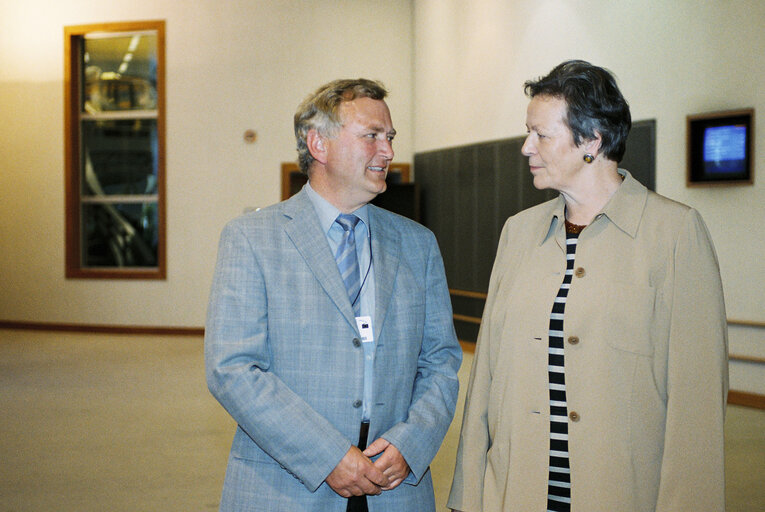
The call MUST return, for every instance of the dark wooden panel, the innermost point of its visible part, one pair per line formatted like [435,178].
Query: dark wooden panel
[469,191]
[466,331]
[640,156]
[468,306]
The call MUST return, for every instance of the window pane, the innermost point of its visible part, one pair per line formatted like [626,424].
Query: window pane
[120,157]
[120,235]
[120,72]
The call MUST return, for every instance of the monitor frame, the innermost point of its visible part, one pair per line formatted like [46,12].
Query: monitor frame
[696,125]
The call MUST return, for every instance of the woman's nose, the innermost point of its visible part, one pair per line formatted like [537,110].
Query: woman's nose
[528,148]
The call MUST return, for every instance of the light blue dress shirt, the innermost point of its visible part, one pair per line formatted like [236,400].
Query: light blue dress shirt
[327,214]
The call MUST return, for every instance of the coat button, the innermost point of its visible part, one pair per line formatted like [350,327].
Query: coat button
[579,272]
[573,416]
[356,342]
[573,340]
[356,404]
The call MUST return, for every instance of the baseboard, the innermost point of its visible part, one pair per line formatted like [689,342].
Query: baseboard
[746,399]
[103,329]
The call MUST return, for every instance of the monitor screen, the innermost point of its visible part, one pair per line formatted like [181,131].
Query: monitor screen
[725,149]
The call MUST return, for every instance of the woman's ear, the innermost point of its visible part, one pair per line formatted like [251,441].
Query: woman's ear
[317,145]
[592,146]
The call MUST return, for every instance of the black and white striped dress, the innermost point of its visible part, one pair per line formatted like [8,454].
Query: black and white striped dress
[559,480]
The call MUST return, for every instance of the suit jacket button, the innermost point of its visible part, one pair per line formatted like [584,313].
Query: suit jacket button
[573,340]
[356,342]
[573,416]
[356,404]
[579,272]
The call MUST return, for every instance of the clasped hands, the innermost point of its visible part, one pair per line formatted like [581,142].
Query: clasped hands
[356,474]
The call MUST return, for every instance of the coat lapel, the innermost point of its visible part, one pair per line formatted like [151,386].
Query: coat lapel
[386,252]
[304,230]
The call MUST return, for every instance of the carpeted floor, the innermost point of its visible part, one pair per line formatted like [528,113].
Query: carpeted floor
[125,423]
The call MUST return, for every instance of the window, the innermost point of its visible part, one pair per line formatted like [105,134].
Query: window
[115,150]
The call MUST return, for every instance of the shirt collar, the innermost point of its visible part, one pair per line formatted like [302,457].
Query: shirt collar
[327,212]
[624,209]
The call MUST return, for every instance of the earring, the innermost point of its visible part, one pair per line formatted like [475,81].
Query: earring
[588,158]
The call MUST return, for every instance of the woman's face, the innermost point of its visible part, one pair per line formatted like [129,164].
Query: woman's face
[554,159]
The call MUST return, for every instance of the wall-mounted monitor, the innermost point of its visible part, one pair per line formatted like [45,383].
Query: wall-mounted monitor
[721,148]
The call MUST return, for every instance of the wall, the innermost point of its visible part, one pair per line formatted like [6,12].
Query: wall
[455,75]
[671,59]
[231,66]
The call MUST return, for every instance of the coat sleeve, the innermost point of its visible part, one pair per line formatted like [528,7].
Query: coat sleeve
[237,365]
[692,474]
[436,386]
[475,439]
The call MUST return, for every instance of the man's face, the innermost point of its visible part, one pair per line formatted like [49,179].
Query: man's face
[357,158]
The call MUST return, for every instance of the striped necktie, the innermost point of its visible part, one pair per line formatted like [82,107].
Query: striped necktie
[346,259]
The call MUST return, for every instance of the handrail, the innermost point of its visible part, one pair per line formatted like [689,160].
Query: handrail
[481,295]
[746,359]
[467,293]
[746,323]
[466,318]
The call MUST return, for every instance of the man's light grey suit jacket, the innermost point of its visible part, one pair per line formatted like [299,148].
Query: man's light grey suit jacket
[282,356]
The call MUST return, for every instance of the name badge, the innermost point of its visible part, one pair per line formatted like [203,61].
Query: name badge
[364,323]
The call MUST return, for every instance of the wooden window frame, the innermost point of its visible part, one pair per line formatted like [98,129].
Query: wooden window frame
[73,37]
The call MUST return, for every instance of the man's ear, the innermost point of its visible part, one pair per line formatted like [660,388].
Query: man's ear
[317,145]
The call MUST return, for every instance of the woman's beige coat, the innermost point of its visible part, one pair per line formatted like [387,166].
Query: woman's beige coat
[645,363]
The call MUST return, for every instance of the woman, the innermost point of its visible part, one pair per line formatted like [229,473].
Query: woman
[600,374]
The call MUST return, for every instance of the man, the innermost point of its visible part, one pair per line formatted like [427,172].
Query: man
[323,333]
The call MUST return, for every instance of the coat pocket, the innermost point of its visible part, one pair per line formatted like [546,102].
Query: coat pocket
[628,317]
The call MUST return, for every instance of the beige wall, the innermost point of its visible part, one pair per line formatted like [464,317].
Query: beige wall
[671,59]
[455,69]
[231,66]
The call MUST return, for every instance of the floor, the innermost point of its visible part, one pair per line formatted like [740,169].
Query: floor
[125,423]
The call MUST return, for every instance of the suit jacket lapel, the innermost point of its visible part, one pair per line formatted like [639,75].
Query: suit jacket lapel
[304,230]
[386,247]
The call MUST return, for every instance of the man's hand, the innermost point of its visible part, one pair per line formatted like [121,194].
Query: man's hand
[355,475]
[391,462]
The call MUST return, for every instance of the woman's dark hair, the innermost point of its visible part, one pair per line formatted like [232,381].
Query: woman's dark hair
[595,104]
